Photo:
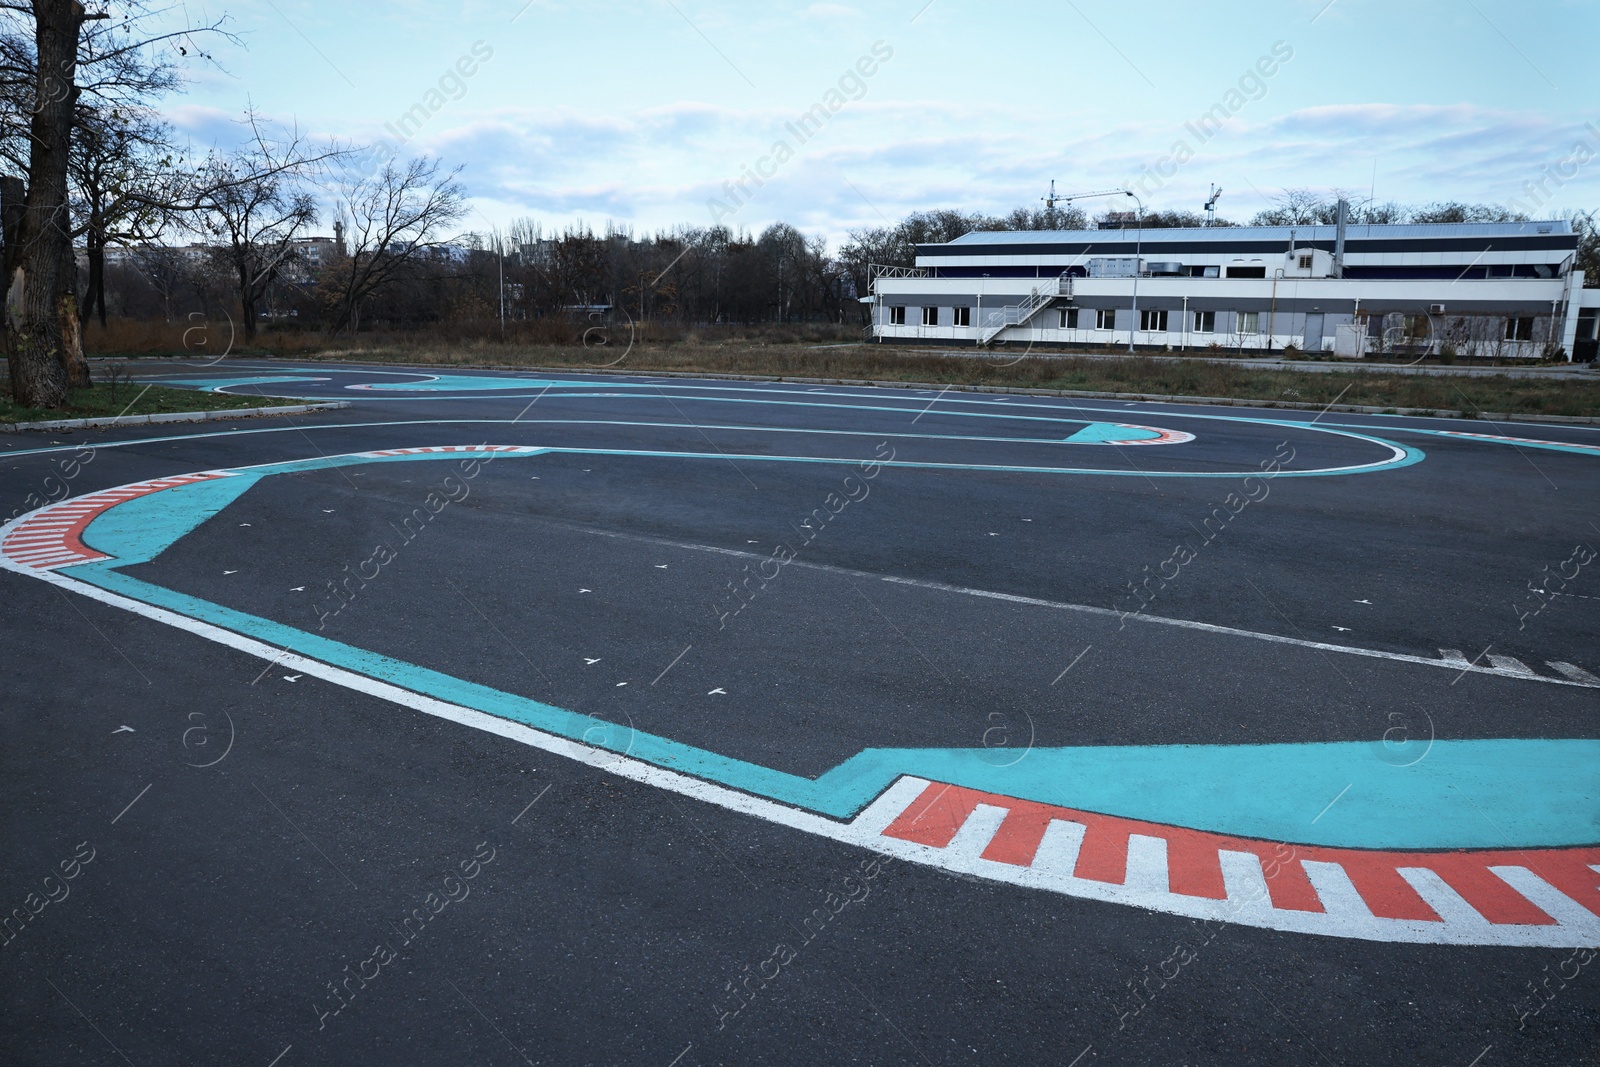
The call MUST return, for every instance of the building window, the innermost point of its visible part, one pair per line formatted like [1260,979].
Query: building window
[1069,318]
[1249,322]
[1519,328]
[1305,261]
[1247,272]
[1205,322]
[963,316]
[1105,318]
[897,316]
[930,316]
[1153,321]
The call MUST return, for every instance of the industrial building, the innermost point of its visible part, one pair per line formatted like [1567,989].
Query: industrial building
[1506,290]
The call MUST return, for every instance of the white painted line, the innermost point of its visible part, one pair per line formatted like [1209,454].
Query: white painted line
[1550,900]
[1511,666]
[1351,650]
[1347,917]
[1147,864]
[1577,674]
[1245,882]
[967,846]
[876,817]
[1451,658]
[1057,856]
[1438,894]
[1336,891]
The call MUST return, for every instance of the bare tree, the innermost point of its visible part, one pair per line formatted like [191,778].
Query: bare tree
[396,218]
[40,300]
[45,46]
[1294,207]
[118,158]
[255,203]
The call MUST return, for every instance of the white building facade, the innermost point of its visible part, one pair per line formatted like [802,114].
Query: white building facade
[1506,290]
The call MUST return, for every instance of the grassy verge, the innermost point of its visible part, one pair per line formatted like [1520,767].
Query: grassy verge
[1499,394]
[126,398]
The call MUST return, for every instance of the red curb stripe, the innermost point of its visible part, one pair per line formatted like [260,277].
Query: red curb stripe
[1194,860]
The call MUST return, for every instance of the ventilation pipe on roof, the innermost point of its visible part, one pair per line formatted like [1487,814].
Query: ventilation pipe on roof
[1341,220]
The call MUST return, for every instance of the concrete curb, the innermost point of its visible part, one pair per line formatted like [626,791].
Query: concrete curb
[173,416]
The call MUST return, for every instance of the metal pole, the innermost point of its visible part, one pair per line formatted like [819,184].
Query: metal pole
[1138,245]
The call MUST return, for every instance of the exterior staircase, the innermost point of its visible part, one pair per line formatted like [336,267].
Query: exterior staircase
[1039,298]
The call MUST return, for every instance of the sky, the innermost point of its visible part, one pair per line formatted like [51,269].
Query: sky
[648,114]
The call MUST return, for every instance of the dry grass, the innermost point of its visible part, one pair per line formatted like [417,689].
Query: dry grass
[827,351]
[131,398]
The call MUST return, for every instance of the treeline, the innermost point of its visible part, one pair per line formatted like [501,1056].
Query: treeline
[687,276]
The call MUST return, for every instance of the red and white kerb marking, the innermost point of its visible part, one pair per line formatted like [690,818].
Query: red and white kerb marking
[1575,446]
[435,449]
[53,536]
[1539,896]
[1163,436]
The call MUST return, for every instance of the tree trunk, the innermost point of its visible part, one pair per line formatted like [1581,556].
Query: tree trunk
[95,299]
[247,302]
[70,319]
[33,313]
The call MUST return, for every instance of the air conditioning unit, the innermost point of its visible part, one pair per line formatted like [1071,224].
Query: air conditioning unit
[1436,309]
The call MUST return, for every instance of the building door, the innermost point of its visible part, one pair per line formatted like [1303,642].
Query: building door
[1313,338]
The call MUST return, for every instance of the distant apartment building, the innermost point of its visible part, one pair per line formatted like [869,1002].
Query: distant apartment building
[311,255]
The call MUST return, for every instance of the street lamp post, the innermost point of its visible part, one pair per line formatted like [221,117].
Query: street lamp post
[1138,247]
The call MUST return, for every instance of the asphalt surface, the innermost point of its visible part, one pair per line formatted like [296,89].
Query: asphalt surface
[259,834]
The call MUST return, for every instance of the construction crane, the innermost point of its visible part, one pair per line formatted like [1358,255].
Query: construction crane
[1211,205]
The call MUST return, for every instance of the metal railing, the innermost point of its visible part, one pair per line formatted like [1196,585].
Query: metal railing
[1040,297]
[884,270]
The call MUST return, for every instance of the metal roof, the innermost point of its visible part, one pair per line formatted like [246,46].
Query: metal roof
[1354,231]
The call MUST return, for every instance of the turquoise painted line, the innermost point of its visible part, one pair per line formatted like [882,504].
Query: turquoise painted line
[1505,793]
[217,385]
[457,383]
[140,529]
[1410,456]
[1515,442]
[1012,400]
[618,390]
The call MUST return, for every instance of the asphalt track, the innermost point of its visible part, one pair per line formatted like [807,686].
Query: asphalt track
[550,719]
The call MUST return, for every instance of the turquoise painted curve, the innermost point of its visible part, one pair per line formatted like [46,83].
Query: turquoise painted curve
[1409,455]
[465,383]
[216,385]
[1514,442]
[1498,793]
